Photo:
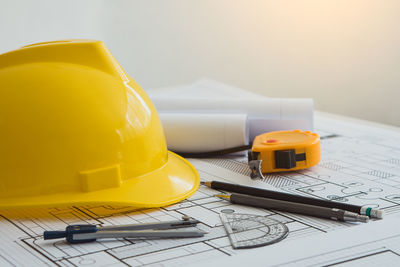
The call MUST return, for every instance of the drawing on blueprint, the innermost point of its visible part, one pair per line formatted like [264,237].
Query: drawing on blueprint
[356,167]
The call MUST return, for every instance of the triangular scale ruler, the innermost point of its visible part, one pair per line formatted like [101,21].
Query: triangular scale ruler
[249,231]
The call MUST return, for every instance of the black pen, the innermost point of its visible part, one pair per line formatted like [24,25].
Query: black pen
[316,211]
[258,192]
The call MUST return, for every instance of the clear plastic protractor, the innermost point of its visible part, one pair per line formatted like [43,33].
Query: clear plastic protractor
[249,231]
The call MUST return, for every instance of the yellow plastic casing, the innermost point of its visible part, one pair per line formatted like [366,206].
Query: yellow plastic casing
[266,145]
[75,129]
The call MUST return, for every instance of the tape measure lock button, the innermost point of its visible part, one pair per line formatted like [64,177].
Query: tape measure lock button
[285,159]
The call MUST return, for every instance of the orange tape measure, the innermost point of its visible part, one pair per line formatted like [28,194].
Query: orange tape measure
[284,151]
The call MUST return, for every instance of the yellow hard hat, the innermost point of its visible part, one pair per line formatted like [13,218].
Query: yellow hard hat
[75,129]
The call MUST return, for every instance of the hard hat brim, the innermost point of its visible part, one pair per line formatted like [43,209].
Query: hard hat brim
[173,182]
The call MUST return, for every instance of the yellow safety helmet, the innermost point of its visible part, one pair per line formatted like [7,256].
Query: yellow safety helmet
[75,129]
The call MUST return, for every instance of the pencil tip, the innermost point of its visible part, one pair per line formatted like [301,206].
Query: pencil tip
[206,183]
[223,196]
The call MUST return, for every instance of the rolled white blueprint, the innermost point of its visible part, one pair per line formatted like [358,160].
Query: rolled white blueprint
[264,114]
[204,132]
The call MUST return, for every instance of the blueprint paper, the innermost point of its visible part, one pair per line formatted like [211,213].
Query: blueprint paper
[360,165]
[206,96]
[185,132]
[373,244]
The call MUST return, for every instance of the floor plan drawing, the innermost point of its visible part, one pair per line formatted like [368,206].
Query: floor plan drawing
[360,165]
[376,244]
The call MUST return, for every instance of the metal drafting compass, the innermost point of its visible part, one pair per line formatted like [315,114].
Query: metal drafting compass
[249,231]
[88,233]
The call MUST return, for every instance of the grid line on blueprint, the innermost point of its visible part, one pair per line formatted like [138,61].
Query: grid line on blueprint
[356,167]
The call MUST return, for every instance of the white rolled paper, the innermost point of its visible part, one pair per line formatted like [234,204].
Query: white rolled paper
[264,114]
[202,109]
[204,132]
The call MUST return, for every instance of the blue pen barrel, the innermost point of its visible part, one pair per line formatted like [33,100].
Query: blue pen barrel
[54,234]
[70,231]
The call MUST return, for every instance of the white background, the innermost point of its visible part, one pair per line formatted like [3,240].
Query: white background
[344,53]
